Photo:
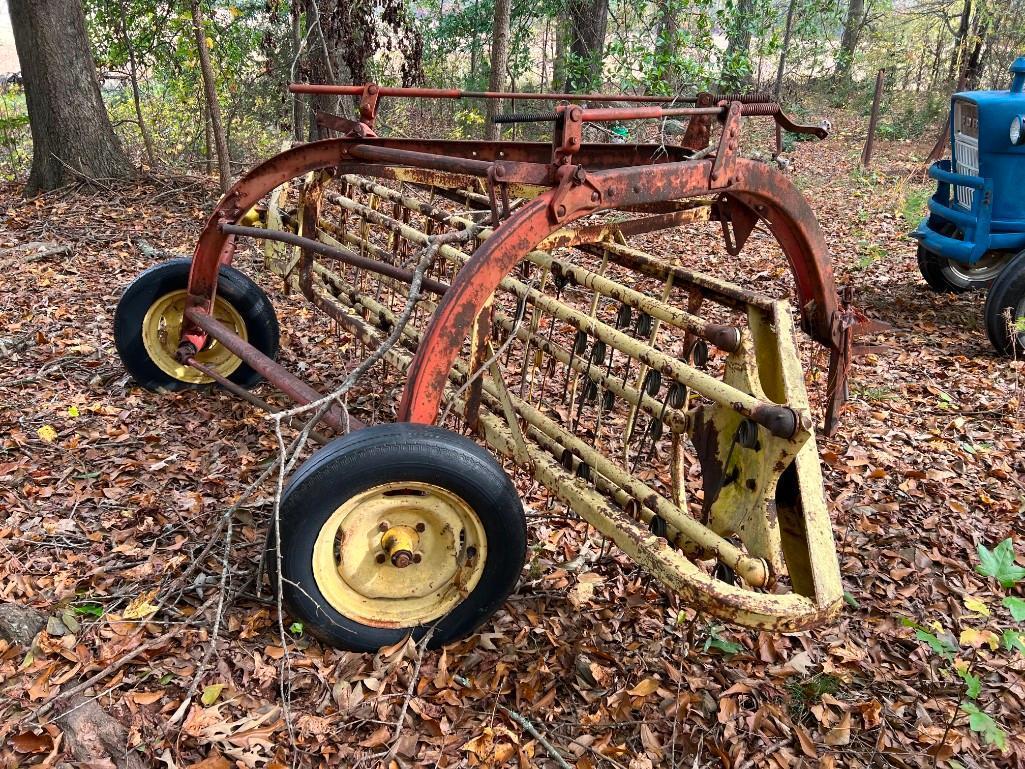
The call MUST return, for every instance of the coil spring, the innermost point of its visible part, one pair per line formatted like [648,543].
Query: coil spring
[760,97]
[526,117]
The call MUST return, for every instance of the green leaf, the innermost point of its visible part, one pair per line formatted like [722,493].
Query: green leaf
[999,564]
[1017,607]
[716,641]
[729,647]
[973,684]
[982,723]
[211,693]
[939,645]
[89,609]
[850,600]
[296,628]
[1014,640]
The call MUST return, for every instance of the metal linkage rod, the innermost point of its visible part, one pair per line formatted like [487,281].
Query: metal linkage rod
[247,396]
[273,372]
[531,173]
[335,252]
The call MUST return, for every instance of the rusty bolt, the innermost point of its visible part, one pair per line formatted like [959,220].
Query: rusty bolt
[806,420]
[372,89]
[401,559]
[595,197]
[576,114]
[499,171]
[561,211]
[573,141]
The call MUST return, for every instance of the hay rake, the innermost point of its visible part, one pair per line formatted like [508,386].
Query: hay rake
[665,406]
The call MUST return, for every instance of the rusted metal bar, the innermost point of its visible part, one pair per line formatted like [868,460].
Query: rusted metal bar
[247,396]
[601,233]
[273,372]
[452,93]
[617,114]
[511,171]
[335,252]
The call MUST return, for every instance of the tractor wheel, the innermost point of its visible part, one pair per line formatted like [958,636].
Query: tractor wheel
[948,276]
[148,321]
[397,529]
[1005,309]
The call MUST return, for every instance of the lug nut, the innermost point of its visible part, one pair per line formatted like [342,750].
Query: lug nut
[383,526]
[421,527]
[381,557]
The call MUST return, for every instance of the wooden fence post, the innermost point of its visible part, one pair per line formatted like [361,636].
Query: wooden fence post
[870,140]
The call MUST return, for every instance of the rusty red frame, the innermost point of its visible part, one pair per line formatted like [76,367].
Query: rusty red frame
[583,179]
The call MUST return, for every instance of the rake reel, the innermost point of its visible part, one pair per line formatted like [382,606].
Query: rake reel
[666,407]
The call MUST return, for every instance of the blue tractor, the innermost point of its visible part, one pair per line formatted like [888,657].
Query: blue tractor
[974,236]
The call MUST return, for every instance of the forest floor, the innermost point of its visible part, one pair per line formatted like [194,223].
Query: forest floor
[109,492]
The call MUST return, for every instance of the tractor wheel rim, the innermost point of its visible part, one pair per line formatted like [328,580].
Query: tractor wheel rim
[983,271]
[399,555]
[161,335]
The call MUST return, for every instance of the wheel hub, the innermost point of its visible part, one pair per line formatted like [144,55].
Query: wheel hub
[399,554]
[161,335]
[983,271]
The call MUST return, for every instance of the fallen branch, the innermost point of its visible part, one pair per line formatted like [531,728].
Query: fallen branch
[526,725]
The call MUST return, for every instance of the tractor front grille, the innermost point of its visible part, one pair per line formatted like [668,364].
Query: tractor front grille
[966,147]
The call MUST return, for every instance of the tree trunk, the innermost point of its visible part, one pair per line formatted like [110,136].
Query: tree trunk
[937,58]
[667,45]
[960,43]
[977,58]
[559,69]
[588,21]
[208,142]
[849,41]
[147,138]
[72,138]
[214,106]
[738,50]
[297,100]
[783,51]
[499,59]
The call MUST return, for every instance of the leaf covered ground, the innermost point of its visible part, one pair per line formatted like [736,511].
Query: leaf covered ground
[109,493]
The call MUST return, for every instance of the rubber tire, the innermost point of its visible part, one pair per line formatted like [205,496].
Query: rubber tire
[384,454]
[1007,292]
[242,293]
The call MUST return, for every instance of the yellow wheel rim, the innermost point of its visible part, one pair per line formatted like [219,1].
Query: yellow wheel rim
[161,334]
[399,555]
